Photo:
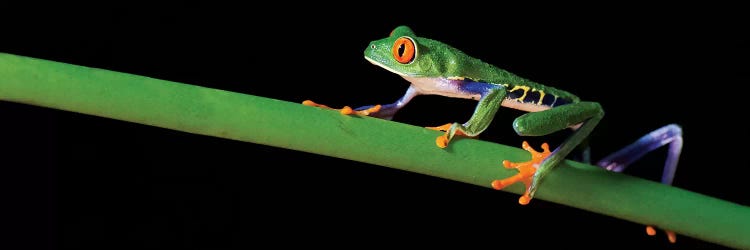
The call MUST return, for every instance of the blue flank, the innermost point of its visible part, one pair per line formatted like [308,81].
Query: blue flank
[481,88]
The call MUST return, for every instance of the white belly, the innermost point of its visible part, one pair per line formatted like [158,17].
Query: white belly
[439,86]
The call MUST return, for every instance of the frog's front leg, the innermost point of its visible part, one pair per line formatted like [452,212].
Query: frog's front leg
[490,101]
[588,114]
[380,111]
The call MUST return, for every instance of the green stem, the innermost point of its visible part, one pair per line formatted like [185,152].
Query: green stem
[236,116]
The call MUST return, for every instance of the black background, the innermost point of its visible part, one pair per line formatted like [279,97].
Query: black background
[73,180]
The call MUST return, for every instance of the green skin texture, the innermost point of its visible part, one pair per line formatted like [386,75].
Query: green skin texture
[438,60]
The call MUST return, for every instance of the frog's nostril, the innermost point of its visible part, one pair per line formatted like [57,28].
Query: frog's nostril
[372,46]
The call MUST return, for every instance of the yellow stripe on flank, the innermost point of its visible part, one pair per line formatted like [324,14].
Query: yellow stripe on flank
[541,96]
[525,91]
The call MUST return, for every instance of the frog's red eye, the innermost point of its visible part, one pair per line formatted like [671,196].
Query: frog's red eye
[404,50]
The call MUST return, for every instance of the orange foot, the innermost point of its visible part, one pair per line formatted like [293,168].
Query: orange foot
[442,141]
[670,235]
[526,171]
[346,110]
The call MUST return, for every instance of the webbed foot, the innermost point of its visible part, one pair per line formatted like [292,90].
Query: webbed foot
[346,110]
[526,171]
[442,141]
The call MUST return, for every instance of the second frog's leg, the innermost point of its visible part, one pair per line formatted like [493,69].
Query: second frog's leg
[668,135]
[588,114]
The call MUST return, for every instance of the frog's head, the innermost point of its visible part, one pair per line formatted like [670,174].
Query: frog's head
[401,53]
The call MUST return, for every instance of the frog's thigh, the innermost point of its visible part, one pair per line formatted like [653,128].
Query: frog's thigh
[555,119]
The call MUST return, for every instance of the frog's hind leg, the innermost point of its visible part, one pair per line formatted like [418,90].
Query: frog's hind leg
[668,135]
[583,116]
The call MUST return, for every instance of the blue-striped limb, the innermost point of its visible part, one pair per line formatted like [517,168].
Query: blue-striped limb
[670,135]
[435,68]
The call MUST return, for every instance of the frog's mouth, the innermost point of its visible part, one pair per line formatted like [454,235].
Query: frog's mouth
[373,61]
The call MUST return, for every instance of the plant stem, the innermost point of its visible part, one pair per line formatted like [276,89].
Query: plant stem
[254,119]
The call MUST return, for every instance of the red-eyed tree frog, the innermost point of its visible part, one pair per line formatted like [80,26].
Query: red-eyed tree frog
[435,68]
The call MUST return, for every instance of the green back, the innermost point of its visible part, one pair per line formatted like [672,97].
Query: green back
[436,59]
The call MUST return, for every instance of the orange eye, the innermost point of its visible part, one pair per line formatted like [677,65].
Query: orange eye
[404,50]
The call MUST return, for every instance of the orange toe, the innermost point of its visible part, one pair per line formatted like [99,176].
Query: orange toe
[526,171]
[444,127]
[671,236]
[524,199]
[313,104]
[442,141]
[370,110]
[346,110]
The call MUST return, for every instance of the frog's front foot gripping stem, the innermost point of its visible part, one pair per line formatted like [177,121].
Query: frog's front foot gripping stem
[448,128]
[346,110]
[526,171]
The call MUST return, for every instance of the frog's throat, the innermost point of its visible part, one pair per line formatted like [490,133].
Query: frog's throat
[385,67]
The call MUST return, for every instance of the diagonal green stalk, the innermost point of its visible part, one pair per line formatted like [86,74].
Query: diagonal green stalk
[237,116]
